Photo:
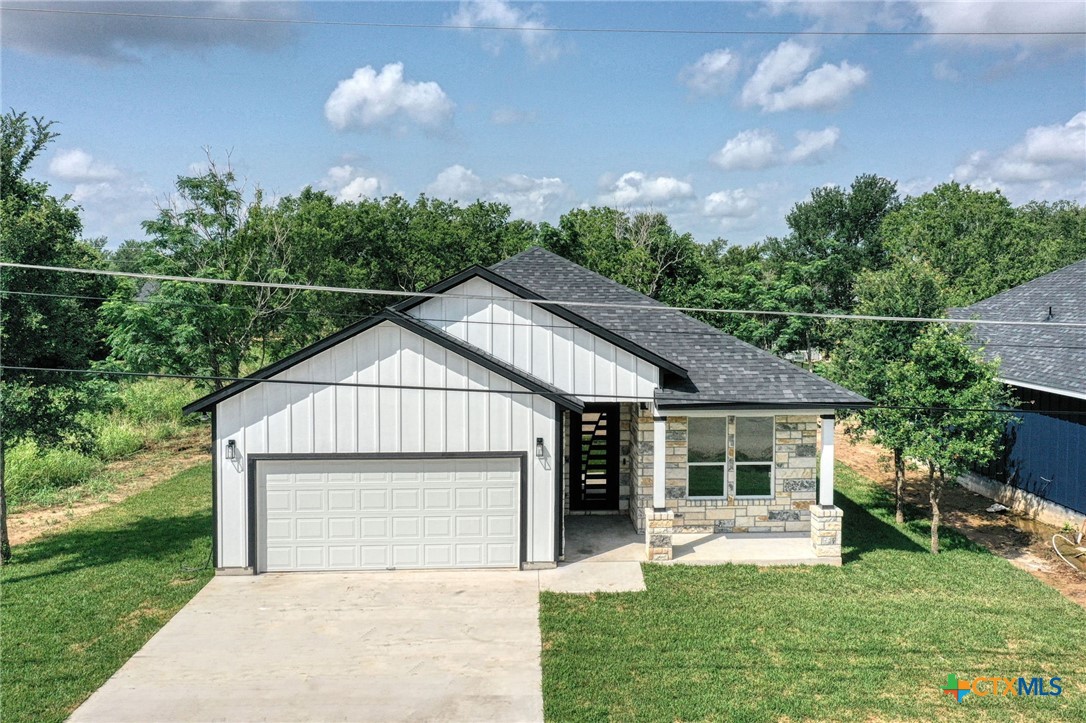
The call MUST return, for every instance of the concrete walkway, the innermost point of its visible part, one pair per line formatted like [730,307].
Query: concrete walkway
[448,646]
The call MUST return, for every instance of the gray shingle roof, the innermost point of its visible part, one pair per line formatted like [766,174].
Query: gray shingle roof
[1053,357]
[723,371]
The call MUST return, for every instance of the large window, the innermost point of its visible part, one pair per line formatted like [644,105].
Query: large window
[754,456]
[707,457]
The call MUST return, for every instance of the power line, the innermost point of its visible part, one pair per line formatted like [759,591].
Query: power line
[545,29]
[523,325]
[654,307]
[475,390]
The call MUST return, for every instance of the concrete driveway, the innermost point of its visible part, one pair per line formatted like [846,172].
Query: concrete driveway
[458,646]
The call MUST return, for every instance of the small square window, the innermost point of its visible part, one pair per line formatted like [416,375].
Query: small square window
[753,480]
[706,480]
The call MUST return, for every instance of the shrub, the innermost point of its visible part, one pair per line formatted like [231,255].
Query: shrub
[117,438]
[154,401]
[30,470]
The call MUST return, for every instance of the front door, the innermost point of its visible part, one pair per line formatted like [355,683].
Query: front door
[594,458]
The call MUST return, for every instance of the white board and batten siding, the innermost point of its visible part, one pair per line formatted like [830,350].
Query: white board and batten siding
[537,342]
[305,419]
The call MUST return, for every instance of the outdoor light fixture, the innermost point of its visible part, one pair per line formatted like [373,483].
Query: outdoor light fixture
[231,450]
[539,451]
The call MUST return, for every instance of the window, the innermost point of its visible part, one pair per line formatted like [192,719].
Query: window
[707,457]
[754,456]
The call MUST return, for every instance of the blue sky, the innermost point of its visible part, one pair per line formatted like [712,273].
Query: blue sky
[724,133]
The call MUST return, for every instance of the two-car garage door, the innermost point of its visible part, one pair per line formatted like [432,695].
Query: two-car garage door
[388,513]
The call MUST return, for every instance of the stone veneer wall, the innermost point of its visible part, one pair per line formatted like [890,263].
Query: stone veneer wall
[625,417]
[794,482]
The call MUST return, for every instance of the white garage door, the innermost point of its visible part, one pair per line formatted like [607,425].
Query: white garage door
[388,514]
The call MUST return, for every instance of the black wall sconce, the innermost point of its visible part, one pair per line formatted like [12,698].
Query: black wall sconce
[540,451]
[231,450]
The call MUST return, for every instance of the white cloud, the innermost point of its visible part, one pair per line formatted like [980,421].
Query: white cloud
[114,208]
[456,182]
[712,73]
[782,80]
[1049,161]
[349,184]
[538,42]
[980,22]
[812,146]
[511,117]
[638,189]
[78,166]
[943,70]
[749,150]
[368,99]
[530,198]
[730,204]
[759,148]
[128,39]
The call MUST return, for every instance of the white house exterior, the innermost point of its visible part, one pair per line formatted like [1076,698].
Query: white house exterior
[459,432]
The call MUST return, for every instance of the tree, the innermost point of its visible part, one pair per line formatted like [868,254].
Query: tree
[859,361]
[210,231]
[641,250]
[949,400]
[41,331]
[834,236]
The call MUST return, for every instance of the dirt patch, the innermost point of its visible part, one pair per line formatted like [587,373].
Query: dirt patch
[141,471]
[1026,543]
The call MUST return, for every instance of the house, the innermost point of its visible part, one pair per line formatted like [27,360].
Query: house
[1043,468]
[460,429]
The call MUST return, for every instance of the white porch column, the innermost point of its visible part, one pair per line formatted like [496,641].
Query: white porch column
[659,459]
[825,482]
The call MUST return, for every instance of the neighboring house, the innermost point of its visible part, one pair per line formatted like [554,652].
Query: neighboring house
[465,428]
[1045,368]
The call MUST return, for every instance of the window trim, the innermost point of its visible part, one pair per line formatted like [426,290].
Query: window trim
[723,465]
[772,461]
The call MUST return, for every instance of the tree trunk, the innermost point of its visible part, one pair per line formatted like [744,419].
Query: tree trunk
[5,544]
[899,486]
[934,490]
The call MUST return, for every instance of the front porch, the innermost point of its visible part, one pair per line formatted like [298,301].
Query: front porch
[608,539]
[762,495]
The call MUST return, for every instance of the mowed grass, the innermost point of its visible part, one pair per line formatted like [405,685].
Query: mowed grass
[77,604]
[873,640]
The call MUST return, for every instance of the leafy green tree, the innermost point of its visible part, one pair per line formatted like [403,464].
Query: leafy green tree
[211,231]
[947,399]
[41,331]
[860,359]
[834,236]
[641,250]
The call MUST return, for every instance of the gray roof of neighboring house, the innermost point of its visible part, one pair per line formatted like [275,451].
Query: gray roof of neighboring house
[723,371]
[1052,357]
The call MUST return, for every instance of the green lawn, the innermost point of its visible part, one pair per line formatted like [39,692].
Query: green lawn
[873,640]
[77,604]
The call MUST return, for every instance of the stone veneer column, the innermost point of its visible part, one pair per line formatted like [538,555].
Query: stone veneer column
[826,530]
[659,526]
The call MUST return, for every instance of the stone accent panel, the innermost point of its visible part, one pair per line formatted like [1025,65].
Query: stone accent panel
[826,530]
[794,474]
[659,526]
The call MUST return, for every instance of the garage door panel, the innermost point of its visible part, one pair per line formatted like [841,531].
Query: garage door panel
[309,529]
[343,500]
[343,528]
[406,499]
[469,498]
[373,500]
[380,514]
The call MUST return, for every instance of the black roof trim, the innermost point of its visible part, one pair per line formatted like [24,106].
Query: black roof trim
[760,406]
[435,335]
[555,308]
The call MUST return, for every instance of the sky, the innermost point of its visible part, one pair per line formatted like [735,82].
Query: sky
[724,132]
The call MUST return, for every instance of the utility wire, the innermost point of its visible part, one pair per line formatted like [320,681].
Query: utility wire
[473,390]
[654,307]
[523,325]
[545,29]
